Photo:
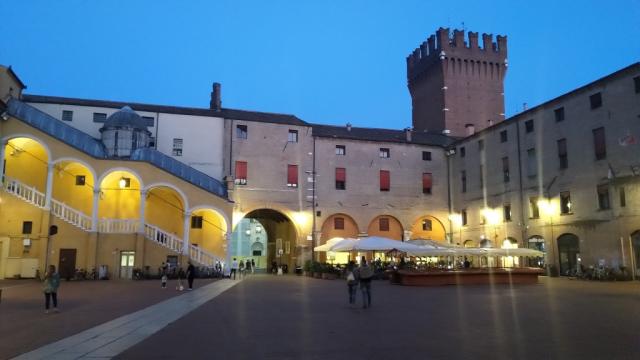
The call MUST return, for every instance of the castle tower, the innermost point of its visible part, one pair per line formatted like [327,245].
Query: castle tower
[455,85]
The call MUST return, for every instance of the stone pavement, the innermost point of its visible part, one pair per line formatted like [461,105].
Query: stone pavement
[268,317]
[84,304]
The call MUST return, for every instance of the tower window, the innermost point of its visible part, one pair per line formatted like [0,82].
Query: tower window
[241,173]
[463,179]
[426,155]
[67,115]
[385,153]
[559,114]
[507,212]
[292,176]
[341,150]
[528,126]
[595,100]
[341,178]
[427,183]
[505,170]
[534,210]
[148,121]
[463,215]
[241,131]
[99,117]
[293,136]
[385,180]
[503,136]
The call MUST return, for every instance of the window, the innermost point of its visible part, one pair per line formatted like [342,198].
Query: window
[559,114]
[595,100]
[196,222]
[124,183]
[532,165]
[27,227]
[426,155]
[152,142]
[385,180]
[562,154]
[384,153]
[503,136]
[599,144]
[241,132]
[292,176]
[480,145]
[528,126]
[148,121]
[505,170]
[293,136]
[341,178]
[80,180]
[67,115]
[463,179]
[623,198]
[341,150]
[99,117]
[506,212]
[463,215]
[338,223]
[427,183]
[463,151]
[177,147]
[481,172]
[534,210]
[427,225]
[636,84]
[241,173]
[603,197]
[565,202]
[383,224]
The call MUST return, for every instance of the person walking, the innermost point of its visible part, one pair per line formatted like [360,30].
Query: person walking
[352,283]
[365,274]
[241,268]
[253,266]
[191,274]
[247,266]
[51,284]
[234,268]
[181,276]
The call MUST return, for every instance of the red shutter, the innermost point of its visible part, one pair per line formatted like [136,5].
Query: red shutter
[341,174]
[241,170]
[292,175]
[385,182]
[427,182]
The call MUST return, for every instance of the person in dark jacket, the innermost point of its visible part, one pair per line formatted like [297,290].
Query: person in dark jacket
[191,274]
[352,282]
[50,288]
[365,275]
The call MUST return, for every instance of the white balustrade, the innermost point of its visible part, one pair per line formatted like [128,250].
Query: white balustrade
[163,238]
[118,226]
[70,215]
[25,192]
[201,256]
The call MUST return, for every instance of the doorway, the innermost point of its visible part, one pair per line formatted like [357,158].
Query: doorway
[635,241]
[67,263]
[568,250]
[127,259]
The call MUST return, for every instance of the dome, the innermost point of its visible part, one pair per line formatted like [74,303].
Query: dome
[125,118]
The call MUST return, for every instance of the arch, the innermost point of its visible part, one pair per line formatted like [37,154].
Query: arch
[183,196]
[536,242]
[509,243]
[469,243]
[329,230]
[164,208]
[394,229]
[568,251]
[74,184]
[209,230]
[81,162]
[428,227]
[7,138]
[486,243]
[227,221]
[26,159]
[119,168]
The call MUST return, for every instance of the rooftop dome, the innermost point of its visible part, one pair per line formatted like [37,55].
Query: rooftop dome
[125,118]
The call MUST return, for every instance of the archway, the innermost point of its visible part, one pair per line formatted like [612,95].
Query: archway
[266,236]
[26,160]
[119,196]
[386,226]
[165,208]
[536,242]
[73,184]
[208,230]
[428,227]
[469,244]
[337,225]
[568,250]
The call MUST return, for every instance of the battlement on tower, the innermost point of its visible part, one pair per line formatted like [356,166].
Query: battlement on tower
[444,45]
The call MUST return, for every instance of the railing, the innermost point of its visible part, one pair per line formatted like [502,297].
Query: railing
[163,238]
[118,226]
[70,215]
[202,256]
[25,192]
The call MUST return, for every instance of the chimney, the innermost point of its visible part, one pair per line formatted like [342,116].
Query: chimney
[348,126]
[471,129]
[407,134]
[216,94]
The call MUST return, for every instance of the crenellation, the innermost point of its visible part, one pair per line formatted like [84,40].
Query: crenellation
[473,40]
[487,41]
[502,44]
[458,39]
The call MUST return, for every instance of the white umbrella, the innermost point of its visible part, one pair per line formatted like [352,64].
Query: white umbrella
[430,251]
[335,242]
[375,243]
[431,243]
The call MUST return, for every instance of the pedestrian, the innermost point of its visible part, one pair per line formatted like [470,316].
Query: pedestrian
[365,274]
[352,283]
[218,269]
[181,275]
[253,266]
[191,274]
[234,268]
[248,266]
[241,268]
[51,284]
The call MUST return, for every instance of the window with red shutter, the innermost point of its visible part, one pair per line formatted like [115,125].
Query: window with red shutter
[338,223]
[341,178]
[385,181]
[427,182]
[292,176]
[383,224]
[241,173]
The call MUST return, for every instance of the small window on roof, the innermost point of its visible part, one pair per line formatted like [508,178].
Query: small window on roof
[67,115]
[99,117]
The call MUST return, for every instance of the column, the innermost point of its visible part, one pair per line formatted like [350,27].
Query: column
[47,199]
[3,145]
[94,210]
[185,231]
[143,202]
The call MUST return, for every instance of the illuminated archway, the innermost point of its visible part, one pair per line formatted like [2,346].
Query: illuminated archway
[428,227]
[119,195]
[26,160]
[208,230]
[568,251]
[165,209]
[386,226]
[73,184]
[338,225]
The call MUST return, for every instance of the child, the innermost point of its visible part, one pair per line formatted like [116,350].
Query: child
[164,281]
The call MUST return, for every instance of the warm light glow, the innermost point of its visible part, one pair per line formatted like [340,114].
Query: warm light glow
[122,183]
[547,207]
[237,216]
[492,216]
[301,218]
[456,218]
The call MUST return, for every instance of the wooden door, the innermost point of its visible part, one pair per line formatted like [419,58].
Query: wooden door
[67,264]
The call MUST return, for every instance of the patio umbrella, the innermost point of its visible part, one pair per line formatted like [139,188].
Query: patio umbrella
[333,242]
[430,243]
[375,243]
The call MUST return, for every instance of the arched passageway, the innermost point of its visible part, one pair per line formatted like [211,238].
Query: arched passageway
[386,226]
[568,251]
[337,225]
[428,227]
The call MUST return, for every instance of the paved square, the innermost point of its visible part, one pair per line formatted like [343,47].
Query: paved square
[267,317]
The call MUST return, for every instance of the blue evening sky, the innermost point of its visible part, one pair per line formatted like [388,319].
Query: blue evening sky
[328,62]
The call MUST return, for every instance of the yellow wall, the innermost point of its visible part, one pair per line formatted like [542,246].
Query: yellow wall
[328,232]
[395,228]
[165,210]
[28,162]
[211,236]
[65,189]
[437,230]
[116,202]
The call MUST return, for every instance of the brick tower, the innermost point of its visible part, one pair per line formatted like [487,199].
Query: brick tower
[455,85]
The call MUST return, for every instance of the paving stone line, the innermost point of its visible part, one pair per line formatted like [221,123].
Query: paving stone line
[111,338]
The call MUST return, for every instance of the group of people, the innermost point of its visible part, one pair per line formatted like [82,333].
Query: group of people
[242,268]
[361,275]
[190,275]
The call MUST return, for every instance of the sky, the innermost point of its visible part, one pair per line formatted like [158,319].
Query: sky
[328,62]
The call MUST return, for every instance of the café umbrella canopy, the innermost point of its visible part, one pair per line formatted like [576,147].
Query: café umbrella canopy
[333,242]
[375,243]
